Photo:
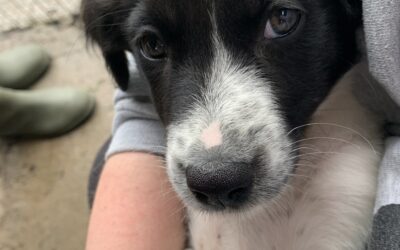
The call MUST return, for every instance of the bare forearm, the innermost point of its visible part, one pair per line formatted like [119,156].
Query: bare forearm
[135,207]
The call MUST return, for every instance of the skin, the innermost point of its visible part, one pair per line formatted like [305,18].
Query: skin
[125,217]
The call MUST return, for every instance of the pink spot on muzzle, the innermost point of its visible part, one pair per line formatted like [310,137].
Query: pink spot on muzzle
[212,135]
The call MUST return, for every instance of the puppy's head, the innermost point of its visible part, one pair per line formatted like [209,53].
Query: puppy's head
[232,80]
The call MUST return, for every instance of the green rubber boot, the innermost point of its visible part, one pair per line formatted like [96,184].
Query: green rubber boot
[43,113]
[22,66]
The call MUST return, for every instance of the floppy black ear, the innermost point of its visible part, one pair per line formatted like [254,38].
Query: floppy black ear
[104,22]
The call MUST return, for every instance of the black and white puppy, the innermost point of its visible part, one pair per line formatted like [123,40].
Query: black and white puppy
[236,83]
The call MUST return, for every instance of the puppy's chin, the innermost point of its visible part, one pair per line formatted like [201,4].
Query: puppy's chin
[247,210]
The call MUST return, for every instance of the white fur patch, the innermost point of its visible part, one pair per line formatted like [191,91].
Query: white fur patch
[241,101]
[328,203]
[212,135]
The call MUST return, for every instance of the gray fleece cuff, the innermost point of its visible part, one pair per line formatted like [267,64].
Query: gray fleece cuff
[139,136]
[136,126]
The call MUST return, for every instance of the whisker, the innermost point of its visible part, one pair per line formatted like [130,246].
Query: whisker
[319,153]
[337,126]
[302,176]
[179,210]
[325,138]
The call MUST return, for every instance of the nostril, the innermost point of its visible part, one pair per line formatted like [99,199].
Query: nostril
[200,196]
[220,184]
[238,194]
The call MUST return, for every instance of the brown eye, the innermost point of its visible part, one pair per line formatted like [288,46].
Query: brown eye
[281,23]
[152,47]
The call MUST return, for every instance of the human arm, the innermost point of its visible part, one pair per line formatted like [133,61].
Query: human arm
[135,206]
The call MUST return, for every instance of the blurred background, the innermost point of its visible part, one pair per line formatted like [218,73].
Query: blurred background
[43,202]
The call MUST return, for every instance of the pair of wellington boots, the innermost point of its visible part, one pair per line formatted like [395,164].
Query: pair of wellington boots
[36,113]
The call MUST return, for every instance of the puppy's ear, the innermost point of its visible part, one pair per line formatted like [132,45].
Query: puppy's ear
[104,22]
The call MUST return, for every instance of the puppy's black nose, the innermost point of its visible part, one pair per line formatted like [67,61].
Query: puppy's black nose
[220,185]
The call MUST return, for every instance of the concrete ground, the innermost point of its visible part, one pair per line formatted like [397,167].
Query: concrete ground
[43,203]
[22,14]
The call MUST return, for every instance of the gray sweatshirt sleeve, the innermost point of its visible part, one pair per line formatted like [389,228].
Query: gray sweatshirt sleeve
[382,33]
[136,125]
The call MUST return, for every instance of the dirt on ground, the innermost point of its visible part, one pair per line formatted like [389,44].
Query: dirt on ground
[43,202]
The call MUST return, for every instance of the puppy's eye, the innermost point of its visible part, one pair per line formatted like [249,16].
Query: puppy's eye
[281,23]
[152,47]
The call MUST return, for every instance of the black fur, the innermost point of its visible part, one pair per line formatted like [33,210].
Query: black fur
[301,68]
[305,65]
[105,23]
